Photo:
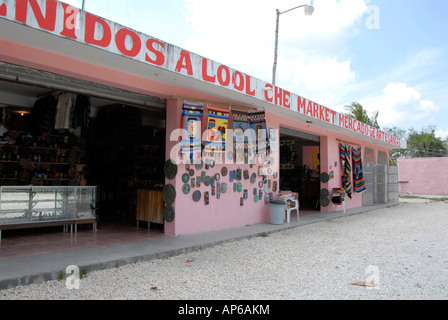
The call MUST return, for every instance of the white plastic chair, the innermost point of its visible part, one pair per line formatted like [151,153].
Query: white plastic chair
[288,208]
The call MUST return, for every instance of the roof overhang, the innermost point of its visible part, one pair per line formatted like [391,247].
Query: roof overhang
[104,43]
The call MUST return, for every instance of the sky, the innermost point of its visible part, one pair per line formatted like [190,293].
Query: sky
[390,56]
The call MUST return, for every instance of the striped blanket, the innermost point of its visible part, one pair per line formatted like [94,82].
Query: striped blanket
[358,174]
[347,170]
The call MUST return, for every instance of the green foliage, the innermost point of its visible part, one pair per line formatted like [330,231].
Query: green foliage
[423,144]
[357,111]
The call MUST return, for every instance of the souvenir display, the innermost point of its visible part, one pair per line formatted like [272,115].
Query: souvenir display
[223,187]
[324,177]
[246,174]
[217,177]
[168,213]
[224,171]
[239,174]
[216,131]
[203,175]
[170,169]
[256,198]
[240,140]
[258,125]
[169,194]
[240,187]
[231,175]
[235,186]
[241,201]
[193,184]
[198,182]
[358,174]
[207,181]
[197,196]
[245,194]
[206,198]
[186,188]
[199,165]
[274,186]
[185,178]
[253,178]
[213,190]
[191,172]
[191,122]
[260,184]
[346,167]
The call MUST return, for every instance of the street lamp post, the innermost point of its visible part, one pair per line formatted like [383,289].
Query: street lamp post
[309,9]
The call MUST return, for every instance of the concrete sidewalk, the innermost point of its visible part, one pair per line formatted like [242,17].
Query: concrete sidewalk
[23,271]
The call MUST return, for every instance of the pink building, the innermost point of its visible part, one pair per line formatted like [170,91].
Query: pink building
[423,176]
[127,76]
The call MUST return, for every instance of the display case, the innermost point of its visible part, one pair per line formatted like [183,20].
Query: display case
[37,206]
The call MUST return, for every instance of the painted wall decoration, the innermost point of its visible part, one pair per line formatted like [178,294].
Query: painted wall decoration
[217,125]
[191,121]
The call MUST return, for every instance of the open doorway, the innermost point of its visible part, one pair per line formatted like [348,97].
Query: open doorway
[300,167]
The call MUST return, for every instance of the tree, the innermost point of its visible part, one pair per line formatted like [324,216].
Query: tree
[423,144]
[357,111]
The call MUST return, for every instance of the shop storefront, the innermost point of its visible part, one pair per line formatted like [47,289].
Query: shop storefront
[165,136]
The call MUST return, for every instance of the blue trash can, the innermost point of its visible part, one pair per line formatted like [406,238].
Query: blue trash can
[277,212]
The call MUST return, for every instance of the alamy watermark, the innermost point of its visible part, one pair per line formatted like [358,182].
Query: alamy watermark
[373,20]
[73,279]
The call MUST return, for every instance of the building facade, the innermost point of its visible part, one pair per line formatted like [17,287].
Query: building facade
[158,126]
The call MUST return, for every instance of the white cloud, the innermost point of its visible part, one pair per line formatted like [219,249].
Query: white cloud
[443,134]
[241,34]
[401,105]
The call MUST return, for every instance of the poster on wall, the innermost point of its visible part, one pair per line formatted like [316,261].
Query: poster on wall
[217,124]
[191,122]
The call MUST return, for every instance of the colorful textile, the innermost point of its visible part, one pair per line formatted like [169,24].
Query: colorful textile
[338,196]
[346,169]
[216,131]
[358,174]
[240,135]
[258,125]
[191,122]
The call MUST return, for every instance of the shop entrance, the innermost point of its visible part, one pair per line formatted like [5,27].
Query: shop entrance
[300,166]
[106,137]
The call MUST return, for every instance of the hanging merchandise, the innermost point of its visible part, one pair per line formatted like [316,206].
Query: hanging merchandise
[63,109]
[346,169]
[258,125]
[240,139]
[338,196]
[191,122]
[216,132]
[358,174]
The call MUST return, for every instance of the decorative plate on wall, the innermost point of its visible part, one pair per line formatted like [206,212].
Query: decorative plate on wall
[207,181]
[197,196]
[169,194]
[168,213]
[324,177]
[185,178]
[224,171]
[186,188]
[170,169]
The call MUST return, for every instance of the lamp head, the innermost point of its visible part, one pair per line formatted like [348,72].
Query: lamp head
[309,10]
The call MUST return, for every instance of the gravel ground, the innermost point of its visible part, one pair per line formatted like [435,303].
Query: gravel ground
[395,254]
